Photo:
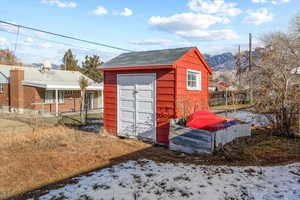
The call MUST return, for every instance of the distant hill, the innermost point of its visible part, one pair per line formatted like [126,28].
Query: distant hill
[53,66]
[221,62]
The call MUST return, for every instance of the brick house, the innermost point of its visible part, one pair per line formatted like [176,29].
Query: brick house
[28,89]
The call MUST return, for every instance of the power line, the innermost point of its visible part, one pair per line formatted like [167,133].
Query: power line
[64,36]
[51,41]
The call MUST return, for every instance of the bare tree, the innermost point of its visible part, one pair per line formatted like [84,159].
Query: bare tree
[278,93]
[295,26]
[7,57]
[185,106]
[83,82]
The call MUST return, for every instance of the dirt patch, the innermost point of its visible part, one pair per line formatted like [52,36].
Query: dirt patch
[42,160]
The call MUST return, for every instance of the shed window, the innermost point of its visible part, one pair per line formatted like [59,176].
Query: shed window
[50,96]
[1,87]
[193,80]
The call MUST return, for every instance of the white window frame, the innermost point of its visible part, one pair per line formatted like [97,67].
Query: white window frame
[198,79]
[50,100]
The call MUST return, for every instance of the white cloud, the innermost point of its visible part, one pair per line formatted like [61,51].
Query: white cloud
[125,12]
[271,1]
[208,35]
[191,26]
[8,28]
[3,41]
[215,7]
[258,17]
[150,42]
[29,39]
[46,45]
[100,10]
[62,4]
[185,21]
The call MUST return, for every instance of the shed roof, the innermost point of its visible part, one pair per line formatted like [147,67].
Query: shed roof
[52,79]
[146,58]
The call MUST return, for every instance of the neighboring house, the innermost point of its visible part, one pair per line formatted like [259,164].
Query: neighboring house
[144,90]
[28,89]
[220,86]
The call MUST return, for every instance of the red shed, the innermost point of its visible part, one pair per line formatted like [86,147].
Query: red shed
[144,90]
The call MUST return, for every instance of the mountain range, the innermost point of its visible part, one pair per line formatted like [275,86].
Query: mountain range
[53,66]
[221,62]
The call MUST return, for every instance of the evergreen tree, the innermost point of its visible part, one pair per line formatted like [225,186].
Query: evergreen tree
[69,62]
[89,68]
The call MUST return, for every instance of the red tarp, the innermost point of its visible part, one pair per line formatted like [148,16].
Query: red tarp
[205,120]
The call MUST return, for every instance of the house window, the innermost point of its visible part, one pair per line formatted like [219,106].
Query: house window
[193,80]
[50,96]
[1,87]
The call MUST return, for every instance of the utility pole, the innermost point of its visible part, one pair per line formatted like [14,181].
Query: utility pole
[250,69]
[238,65]
[17,39]
[250,51]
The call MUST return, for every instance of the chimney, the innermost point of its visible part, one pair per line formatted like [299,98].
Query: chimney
[16,89]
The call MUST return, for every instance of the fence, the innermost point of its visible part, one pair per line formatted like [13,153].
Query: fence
[228,97]
[73,117]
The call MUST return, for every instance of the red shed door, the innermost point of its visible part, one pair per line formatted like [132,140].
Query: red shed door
[136,106]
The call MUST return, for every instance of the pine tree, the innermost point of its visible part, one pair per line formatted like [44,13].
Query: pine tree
[69,62]
[89,68]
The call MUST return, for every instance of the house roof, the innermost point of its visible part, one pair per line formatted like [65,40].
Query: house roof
[146,58]
[51,79]
[223,84]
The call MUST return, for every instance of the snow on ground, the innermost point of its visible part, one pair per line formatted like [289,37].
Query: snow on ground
[149,180]
[249,117]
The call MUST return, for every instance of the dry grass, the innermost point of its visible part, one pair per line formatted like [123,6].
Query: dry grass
[30,160]
[263,149]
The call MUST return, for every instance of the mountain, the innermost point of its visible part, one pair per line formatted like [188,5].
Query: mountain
[53,66]
[221,62]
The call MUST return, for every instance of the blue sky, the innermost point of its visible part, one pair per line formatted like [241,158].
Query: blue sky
[214,26]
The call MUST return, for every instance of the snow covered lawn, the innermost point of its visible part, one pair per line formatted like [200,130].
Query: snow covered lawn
[249,117]
[146,179]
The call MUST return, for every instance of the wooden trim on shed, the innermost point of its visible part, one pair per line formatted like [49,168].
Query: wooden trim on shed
[201,58]
[209,69]
[137,68]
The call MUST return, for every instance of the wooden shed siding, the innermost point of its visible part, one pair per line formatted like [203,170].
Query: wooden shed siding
[170,88]
[165,100]
[194,100]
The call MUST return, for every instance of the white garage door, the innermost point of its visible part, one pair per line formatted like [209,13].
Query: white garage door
[136,106]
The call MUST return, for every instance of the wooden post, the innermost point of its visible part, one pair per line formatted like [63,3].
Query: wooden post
[250,68]
[226,97]
[56,102]
[102,99]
